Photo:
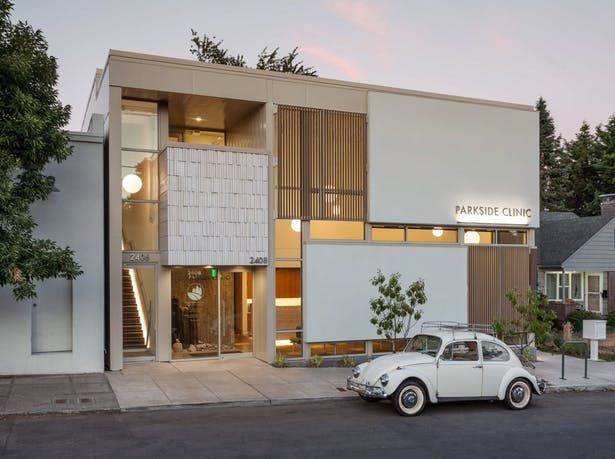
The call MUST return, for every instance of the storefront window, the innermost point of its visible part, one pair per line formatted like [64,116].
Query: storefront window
[475,236]
[288,297]
[324,229]
[341,348]
[139,125]
[512,237]
[139,175]
[289,344]
[288,239]
[385,345]
[437,234]
[388,233]
[140,225]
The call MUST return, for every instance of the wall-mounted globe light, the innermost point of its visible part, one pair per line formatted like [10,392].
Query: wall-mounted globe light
[295,225]
[471,237]
[132,183]
[437,231]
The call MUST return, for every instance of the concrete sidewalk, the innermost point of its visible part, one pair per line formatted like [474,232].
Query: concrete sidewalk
[233,381]
[601,375]
[56,394]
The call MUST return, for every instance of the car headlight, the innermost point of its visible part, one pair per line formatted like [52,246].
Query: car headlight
[384,379]
[356,371]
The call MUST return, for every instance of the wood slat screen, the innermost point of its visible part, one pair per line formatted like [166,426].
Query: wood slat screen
[493,271]
[322,157]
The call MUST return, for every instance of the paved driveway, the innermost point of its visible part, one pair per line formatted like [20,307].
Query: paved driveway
[155,384]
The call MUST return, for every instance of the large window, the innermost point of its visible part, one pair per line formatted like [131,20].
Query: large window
[436,234]
[349,231]
[321,171]
[557,291]
[139,175]
[340,348]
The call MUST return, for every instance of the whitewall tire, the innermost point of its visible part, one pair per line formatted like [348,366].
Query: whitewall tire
[410,398]
[518,394]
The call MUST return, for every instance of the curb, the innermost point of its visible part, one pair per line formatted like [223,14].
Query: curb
[580,388]
[236,404]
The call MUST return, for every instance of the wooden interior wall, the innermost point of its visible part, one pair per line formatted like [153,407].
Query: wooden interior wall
[493,271]
[288,283]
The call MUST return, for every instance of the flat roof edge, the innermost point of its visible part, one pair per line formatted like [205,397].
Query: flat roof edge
[247,71]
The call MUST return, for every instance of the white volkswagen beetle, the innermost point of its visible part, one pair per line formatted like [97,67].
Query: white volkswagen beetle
[446,363]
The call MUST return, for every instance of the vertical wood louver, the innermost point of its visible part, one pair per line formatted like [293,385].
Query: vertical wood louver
[322,157]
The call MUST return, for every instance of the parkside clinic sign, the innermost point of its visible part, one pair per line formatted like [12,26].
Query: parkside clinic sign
[504,215]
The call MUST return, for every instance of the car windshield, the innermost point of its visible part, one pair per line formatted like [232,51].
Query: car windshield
[425,344]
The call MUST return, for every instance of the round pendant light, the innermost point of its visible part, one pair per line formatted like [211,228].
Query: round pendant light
[295,225]
[471,237]
[132,183]
[437,231]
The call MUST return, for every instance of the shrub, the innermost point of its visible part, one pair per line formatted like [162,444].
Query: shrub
[610,319]
[316,361]
[577,317]
[279,360]
[348,361]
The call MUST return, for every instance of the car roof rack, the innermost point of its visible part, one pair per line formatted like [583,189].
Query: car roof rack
[457,326]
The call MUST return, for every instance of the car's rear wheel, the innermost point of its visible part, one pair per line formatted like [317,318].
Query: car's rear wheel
[518,394]
[410,398]
[369,399]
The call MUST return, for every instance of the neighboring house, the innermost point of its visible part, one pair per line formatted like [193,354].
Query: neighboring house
[576,258]
[62,330]
[246,211]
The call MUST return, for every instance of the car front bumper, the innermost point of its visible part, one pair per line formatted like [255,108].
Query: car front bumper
[364,389]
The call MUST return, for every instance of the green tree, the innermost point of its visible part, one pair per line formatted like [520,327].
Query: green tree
[532,315]
[209,49]
[583,160]
[552,169]
[605,146]
[395,309]
[31,135]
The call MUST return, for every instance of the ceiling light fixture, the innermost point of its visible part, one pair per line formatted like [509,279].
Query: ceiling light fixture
[132,183]
[471,237]
[295,225]
[437,231]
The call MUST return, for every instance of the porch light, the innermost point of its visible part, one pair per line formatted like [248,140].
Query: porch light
[295,225]
[132,183]
[437,231]
[471,237]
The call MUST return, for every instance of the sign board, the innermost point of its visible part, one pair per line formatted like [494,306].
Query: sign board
[594,329]
[140,257]
[504,215]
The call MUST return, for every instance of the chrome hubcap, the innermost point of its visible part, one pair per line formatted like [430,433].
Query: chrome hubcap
[518,393]
[409,399]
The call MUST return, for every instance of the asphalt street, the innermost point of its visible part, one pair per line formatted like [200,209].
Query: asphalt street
[555,426]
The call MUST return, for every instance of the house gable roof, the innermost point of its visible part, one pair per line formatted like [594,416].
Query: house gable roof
[563,233]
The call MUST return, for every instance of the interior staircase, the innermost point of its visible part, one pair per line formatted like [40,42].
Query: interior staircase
[132,330]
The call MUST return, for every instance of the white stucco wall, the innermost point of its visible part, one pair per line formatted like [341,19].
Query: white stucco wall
[427,156]
[73,217]
[213,207]
[337,285]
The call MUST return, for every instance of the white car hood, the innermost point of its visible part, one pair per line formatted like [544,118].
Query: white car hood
[377,367]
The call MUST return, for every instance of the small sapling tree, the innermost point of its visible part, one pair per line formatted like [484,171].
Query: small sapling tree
[395,310]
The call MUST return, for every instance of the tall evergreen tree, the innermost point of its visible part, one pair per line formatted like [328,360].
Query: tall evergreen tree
[605,145]
[31,135]
[553,188]
[583,159]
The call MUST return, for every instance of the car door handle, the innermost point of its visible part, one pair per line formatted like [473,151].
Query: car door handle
[477,366]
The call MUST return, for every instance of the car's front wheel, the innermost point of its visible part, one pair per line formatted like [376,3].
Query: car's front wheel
[518,394]
[409,399]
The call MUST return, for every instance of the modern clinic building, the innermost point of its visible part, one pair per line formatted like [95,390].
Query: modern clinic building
[246,211]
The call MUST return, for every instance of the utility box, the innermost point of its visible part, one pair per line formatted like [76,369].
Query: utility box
[594,330]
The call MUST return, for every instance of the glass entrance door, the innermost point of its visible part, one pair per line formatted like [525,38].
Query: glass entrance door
[139,310]
[211,312]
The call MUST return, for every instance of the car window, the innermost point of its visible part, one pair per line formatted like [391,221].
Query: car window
[425,344]
[493,352]
[461,351]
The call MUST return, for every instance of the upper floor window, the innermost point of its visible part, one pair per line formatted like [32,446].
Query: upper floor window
[557,291]
[139,125]
[437,234]
[321,171]
[323,229]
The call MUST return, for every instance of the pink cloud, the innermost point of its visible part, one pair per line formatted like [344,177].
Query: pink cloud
[342,64]
[362,14]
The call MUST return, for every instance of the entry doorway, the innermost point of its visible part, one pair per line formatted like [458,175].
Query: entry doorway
[139,284]
[594,293]
[211,312]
